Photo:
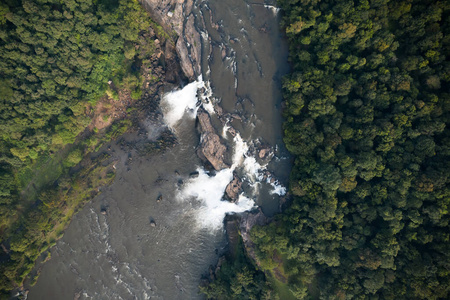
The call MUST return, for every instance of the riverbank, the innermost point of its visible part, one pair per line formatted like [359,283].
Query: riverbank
[367,119]
[60,184]
[161,230]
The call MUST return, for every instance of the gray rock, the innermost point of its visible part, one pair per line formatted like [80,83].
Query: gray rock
[193,38]
[172,14]
[205,121]
[194,174]
[188,6]
[185,62]
[211,147]
[234,188]
[166,13]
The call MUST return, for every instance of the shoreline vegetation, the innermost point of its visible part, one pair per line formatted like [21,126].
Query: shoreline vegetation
[367,116]
[72,75]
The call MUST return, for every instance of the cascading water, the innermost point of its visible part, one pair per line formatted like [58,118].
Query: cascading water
[206,192]
[179,103]
[120,255]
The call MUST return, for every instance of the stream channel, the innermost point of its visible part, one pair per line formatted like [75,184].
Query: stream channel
[120,255]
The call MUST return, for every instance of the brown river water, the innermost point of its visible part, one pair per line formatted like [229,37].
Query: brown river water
[119,255]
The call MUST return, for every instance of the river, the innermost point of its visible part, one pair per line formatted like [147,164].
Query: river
[120,255]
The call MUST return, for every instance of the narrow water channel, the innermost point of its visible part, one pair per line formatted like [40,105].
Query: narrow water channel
[120,255]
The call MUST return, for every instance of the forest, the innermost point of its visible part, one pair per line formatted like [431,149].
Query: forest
[366,118]
[57,59]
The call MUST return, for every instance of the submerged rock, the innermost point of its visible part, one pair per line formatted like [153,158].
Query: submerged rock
[232,230]
[193,174]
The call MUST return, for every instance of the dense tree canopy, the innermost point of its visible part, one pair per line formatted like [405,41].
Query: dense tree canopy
[367,119]
[57,58]
[367,115]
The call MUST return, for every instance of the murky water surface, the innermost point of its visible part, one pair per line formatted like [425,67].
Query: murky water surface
[120,255]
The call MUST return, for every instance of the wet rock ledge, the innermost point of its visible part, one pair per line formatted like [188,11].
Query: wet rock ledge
[211,148]
[176,17]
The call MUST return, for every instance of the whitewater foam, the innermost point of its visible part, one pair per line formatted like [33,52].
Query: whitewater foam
[177,103]
[278,188]
[274,9]
[240,150]
[225,130]
[207,98]
[209,190]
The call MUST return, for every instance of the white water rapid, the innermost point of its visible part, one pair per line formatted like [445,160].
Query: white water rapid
[206,191]
[154,232]
[179,103]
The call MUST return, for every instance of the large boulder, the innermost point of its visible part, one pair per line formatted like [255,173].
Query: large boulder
[234,188]
[211,147]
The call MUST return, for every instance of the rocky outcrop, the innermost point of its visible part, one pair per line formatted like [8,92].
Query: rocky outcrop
[185,62]
[234,188]
[194,174]
[168,13]
[248,220]
[176,16]
[172,67]
[211,147]
[212,150]
[192,38]
[205,121]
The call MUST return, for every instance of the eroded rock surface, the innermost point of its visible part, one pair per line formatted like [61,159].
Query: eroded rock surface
[185,62]
[176,17]
[168,13]
[193,39]
[248,220]
[234,188]
[211,147]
